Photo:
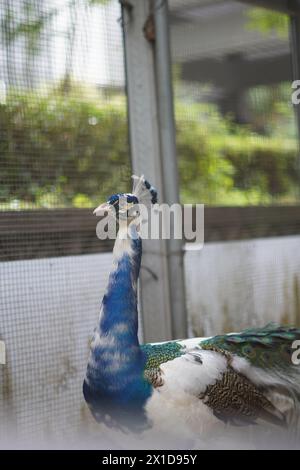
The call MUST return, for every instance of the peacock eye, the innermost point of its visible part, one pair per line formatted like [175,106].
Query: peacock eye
[132,211]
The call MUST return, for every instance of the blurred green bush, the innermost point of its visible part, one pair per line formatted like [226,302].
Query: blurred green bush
[229,164]
[70,149]
[62,149]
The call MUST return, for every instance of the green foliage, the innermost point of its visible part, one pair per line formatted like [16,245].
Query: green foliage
[57,147]
[203,170]
[271,110]
[70,149]
[268,22]
[225,163]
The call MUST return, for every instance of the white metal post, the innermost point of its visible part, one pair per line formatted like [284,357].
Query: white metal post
[164,89]
[145,156]
[158,289]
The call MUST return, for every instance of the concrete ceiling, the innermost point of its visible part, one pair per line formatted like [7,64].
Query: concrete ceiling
[191,10]
[216,28]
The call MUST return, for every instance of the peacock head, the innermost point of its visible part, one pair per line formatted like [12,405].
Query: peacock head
[127,206]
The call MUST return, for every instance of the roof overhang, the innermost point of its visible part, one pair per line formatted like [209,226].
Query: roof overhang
[290,7]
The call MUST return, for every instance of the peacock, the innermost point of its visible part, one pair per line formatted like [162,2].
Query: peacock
[236,379]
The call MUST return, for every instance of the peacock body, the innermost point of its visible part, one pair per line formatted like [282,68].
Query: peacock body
[238,379]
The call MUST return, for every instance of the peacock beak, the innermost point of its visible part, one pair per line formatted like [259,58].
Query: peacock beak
[100,210]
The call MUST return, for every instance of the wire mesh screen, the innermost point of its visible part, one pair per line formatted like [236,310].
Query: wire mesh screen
[237,145]
[63,148]
[237,137]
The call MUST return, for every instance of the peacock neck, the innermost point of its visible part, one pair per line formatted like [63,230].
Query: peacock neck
[115,351]
[119,315]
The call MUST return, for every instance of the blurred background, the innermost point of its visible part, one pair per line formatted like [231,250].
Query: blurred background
[64,147]
[62,93]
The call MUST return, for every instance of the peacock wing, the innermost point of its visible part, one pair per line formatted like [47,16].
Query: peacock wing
[236,400]
[263,357]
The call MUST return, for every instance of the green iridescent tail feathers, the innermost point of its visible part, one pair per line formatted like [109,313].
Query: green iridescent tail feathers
[267,348]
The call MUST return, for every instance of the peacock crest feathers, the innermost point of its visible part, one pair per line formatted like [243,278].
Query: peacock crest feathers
[144,191]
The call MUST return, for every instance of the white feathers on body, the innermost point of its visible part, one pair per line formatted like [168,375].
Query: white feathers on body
[177,402]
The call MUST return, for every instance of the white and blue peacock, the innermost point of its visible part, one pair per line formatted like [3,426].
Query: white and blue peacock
[239,378]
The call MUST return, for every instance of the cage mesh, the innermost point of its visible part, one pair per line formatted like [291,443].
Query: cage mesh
[237,145]
[63,149]
[236,130]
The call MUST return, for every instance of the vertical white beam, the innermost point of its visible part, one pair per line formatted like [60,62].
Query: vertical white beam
[169,159]
[146,159]
[2,353]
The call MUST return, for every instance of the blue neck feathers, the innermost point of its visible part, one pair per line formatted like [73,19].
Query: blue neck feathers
[116,364]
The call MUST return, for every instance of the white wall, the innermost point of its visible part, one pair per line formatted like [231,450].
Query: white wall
[48,311]
[234,285]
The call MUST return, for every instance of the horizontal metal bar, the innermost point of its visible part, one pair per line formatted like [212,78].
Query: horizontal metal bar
[290,7]
[66,232]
